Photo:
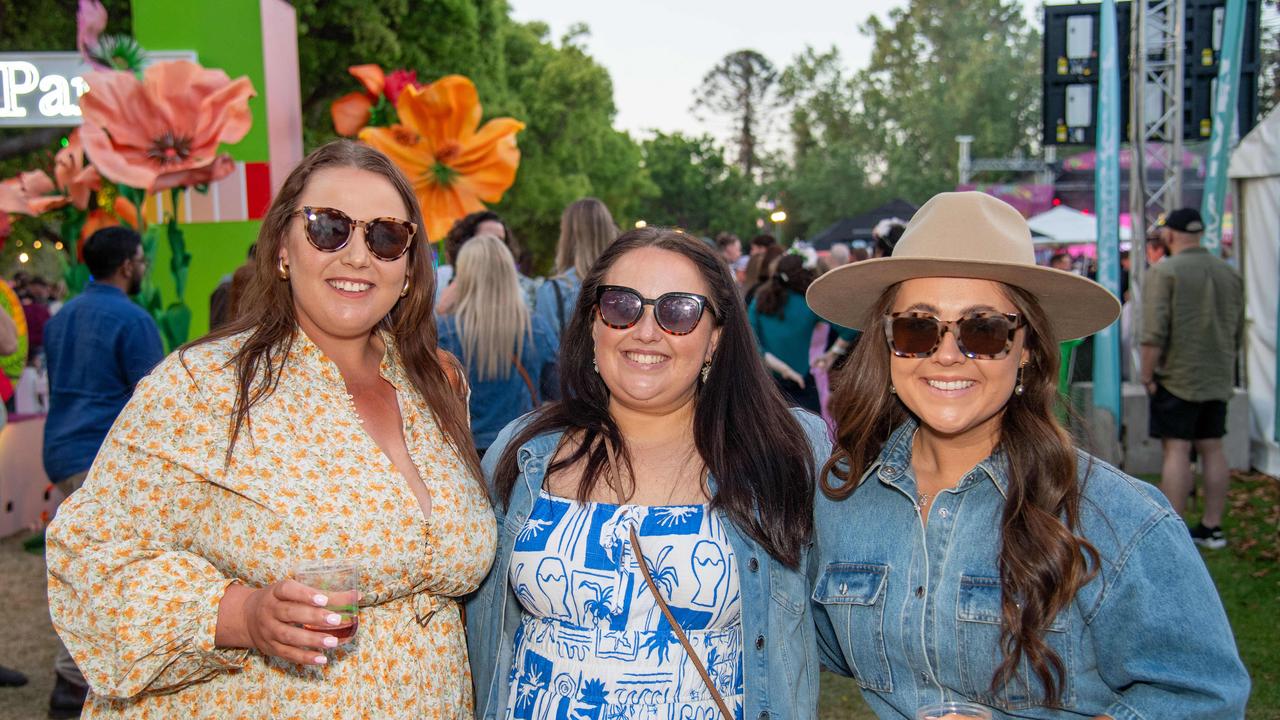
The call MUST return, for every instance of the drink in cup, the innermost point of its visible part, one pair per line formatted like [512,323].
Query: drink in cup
[953,711]
[330,577]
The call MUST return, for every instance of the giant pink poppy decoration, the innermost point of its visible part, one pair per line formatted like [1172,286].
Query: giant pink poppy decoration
[163,131]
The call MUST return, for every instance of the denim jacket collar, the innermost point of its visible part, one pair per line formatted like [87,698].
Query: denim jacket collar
[894,463]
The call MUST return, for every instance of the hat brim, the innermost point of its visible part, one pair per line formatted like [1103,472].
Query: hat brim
[1076,306]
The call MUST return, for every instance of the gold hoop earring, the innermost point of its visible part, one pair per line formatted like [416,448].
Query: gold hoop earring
[281,269]
[404,291]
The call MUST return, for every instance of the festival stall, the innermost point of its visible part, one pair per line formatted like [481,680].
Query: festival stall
[1255,172]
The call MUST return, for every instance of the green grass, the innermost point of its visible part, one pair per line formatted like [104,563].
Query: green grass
[1248,578]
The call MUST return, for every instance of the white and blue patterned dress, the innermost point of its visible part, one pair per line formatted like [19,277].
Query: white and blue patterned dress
[593,644]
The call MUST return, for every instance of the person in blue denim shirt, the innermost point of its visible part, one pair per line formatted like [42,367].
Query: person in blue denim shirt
[586,229]
[965,550]
[508,352]
[671,448]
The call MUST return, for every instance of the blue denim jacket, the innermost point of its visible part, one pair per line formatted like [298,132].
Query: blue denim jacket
[918,622]
[780,664]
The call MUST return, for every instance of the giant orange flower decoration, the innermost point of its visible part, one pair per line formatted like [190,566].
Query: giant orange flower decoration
[454,164]
[163,131]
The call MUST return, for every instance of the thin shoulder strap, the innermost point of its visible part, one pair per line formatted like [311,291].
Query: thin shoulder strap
[657,596]
[528,381]
[675,626]
[555,286]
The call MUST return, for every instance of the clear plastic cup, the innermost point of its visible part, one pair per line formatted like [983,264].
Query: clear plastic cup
[953,711]
[333,576]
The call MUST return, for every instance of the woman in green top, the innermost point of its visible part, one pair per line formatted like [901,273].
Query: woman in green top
[783,325]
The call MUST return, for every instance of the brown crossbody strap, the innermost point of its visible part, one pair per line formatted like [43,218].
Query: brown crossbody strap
[528,381]
[675,626]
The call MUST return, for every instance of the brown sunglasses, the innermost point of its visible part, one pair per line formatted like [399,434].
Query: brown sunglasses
[987,336]
[329,230]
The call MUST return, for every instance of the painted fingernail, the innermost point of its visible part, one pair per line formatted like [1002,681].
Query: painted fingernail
[331,641]
[321,660]
[320,600]
[333,619]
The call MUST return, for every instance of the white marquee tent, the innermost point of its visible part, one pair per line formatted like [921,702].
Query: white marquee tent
[1067,226]
[1255,172]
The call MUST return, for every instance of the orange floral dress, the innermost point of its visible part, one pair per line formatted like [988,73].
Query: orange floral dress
[140,557]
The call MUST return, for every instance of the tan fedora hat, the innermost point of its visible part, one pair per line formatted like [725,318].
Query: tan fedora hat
[966,235]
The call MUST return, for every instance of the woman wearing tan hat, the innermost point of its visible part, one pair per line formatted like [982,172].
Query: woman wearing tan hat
[965,549]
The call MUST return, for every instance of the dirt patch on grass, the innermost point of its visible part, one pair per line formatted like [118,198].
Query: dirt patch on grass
[29,641]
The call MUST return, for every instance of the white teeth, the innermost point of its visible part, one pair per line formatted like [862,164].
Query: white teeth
[951,384]
[645,359]
[348,286]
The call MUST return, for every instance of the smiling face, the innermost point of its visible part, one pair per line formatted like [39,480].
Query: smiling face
[344,294]
[953,394]
[645,368]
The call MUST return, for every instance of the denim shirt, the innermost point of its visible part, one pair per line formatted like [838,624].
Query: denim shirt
[497,401]
[563,288]
[780,664]
[913,613]
[98,347]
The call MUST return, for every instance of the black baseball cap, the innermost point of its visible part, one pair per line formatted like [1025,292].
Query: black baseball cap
[1185,220]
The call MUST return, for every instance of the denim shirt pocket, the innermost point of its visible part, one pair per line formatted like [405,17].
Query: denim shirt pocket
[978,618]
[853,595]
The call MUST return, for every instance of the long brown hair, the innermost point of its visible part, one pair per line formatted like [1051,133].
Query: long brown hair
[1043,563]
[586,229]
[746,437]
[787,276]
[269,319]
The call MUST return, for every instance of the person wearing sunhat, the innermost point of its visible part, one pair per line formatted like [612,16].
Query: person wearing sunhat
[965,549]
[1192,327]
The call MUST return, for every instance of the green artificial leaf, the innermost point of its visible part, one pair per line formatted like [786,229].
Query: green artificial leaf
[76,276]
[175,325]
[383,113]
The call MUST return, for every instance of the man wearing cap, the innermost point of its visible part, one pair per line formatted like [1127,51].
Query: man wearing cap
[1193,317]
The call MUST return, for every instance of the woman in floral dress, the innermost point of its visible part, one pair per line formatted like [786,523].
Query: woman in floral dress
[321,424]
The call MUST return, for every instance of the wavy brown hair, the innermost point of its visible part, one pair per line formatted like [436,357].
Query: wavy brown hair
[1042,561]
[268,315]
[746,437]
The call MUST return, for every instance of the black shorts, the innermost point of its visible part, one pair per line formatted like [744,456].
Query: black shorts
[1173,418]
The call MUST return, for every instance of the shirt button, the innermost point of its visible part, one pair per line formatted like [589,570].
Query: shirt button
[759,642]
[943,513]
[844,588]
[753,565]
[890,471]
[764,715]
[919,591]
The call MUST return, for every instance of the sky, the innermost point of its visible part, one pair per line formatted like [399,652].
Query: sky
[658,51]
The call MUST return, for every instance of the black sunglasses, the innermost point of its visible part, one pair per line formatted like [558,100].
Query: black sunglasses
[677,313]
[328,230]
[985,336]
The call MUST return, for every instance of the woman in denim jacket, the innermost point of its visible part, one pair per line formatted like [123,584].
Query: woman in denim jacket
[670,428]
[965,550]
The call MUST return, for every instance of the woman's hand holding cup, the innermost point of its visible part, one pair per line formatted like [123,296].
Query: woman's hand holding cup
[288,620]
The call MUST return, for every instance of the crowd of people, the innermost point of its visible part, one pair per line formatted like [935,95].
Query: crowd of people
[612,493]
